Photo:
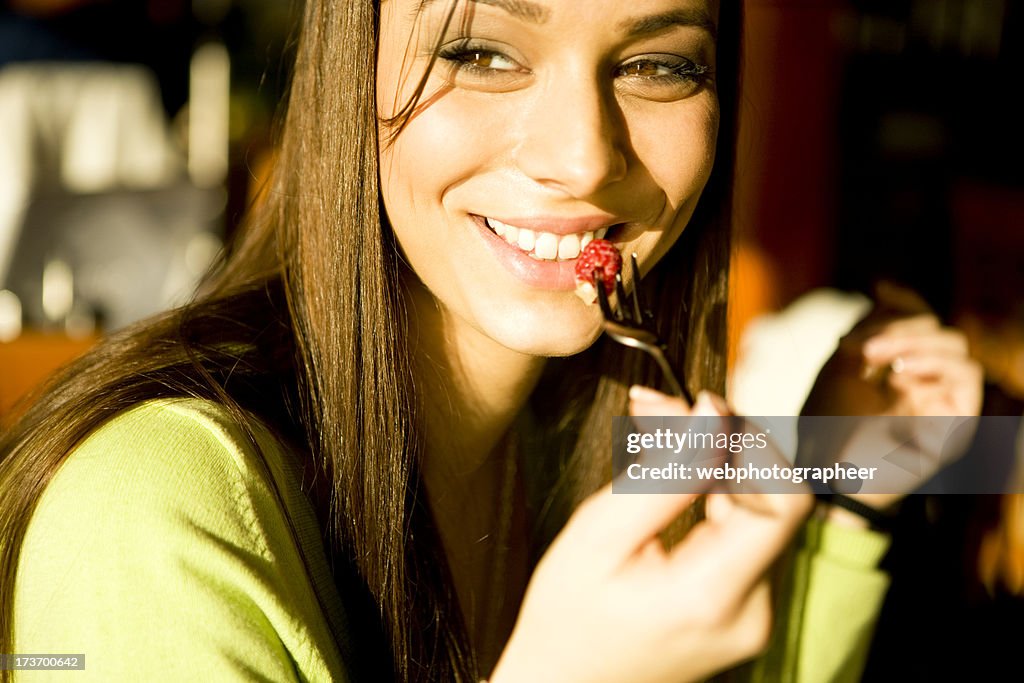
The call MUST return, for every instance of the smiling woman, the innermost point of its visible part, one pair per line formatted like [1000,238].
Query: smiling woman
[374,446]
[543,120]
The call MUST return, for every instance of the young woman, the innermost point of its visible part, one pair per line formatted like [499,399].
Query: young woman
[348,458]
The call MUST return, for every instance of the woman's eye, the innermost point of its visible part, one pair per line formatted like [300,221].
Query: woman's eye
[478,62]
[647,69]
[483,59]
[664,75]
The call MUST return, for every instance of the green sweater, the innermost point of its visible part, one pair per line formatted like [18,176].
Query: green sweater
[161,552]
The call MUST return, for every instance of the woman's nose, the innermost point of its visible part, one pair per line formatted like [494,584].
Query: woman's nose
[574,140]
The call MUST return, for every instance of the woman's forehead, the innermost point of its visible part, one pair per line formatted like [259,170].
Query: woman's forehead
[696,12]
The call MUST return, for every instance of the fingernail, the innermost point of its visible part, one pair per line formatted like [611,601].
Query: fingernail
[876,347]
[642,394]
[720,405]
[705,405]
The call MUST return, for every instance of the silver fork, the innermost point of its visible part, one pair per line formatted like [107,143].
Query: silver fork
[630,325]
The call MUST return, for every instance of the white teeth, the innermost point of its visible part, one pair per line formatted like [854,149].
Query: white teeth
[497,226]
[526,239]
[545,246]
[568,247]
[548,246]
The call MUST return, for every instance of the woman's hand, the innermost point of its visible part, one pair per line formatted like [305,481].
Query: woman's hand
[898,361]
[608,603]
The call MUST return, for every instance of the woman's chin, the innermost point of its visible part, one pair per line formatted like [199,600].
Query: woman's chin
[544,338]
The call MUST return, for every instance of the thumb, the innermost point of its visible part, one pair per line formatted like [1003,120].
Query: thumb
[621,524]
[900,299]
[612,527]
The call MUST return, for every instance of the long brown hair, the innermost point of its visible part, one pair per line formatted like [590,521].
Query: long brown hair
[303,327]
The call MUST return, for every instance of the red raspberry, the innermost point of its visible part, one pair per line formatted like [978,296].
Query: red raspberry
[600,255]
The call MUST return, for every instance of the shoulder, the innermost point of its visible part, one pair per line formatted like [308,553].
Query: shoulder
[169,530]
[164,444]
[164,462]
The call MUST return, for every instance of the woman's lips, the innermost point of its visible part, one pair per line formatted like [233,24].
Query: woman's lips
[545,244]
[532,271]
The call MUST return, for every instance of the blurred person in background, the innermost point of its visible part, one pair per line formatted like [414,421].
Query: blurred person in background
[922,185]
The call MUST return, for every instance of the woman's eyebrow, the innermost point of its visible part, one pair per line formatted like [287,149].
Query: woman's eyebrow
[660,22]
[521,9]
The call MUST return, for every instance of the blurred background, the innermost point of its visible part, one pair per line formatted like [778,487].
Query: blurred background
[882,140]
[879,139]
[132,133]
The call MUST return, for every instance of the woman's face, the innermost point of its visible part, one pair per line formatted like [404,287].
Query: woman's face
[560,118]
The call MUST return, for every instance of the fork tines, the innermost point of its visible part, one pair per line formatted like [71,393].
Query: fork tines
[629,310]
[630,324]
[602,296]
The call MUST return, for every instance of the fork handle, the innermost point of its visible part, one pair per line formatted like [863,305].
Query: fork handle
[674,385]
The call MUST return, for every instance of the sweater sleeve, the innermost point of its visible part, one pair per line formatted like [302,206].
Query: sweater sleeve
[827,607]
[160,552]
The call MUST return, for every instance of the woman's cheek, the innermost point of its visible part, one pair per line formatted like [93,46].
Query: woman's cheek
[447,143]
[675,143]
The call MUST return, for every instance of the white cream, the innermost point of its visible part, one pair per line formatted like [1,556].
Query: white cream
[546,246]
